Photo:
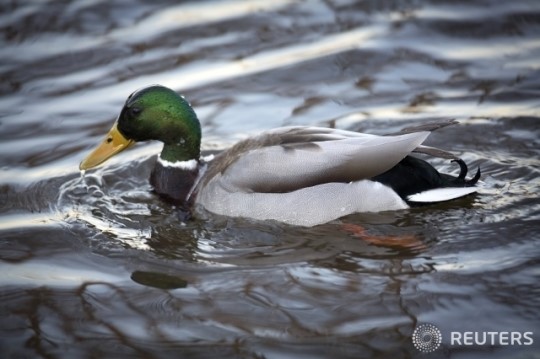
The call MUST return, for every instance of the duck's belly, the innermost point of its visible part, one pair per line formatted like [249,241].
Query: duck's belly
[305,207]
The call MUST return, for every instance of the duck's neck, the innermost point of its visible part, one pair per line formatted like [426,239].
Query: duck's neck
[184,149]
[174,180]
[177,167]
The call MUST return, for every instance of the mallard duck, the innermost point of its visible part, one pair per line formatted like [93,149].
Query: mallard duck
[300,175]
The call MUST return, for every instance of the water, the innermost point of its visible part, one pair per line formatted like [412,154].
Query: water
[97,266]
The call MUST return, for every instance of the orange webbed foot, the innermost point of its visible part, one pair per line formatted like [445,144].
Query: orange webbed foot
[399,242]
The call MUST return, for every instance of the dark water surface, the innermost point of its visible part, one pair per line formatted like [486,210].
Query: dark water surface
[98,267]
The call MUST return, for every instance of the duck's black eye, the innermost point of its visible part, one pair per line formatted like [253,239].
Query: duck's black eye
[134,111]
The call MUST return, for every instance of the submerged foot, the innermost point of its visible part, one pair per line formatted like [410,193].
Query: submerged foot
[400,242]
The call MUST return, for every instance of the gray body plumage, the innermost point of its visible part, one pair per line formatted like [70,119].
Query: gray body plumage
[304,175]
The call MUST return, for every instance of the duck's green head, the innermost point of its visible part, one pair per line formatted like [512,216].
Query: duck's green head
[152,113]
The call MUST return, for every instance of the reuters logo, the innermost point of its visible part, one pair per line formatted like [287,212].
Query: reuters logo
[426,338]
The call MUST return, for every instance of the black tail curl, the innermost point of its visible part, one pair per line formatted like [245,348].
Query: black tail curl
[414,175]
[463,170]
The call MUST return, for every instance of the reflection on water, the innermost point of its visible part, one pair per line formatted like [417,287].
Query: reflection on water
[97,266]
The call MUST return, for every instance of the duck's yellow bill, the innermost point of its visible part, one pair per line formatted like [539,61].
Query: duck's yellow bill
[113,143]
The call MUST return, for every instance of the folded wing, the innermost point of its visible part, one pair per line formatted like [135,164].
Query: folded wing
[304,159]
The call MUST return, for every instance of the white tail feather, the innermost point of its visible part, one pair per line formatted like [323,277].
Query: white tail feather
[441,194]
